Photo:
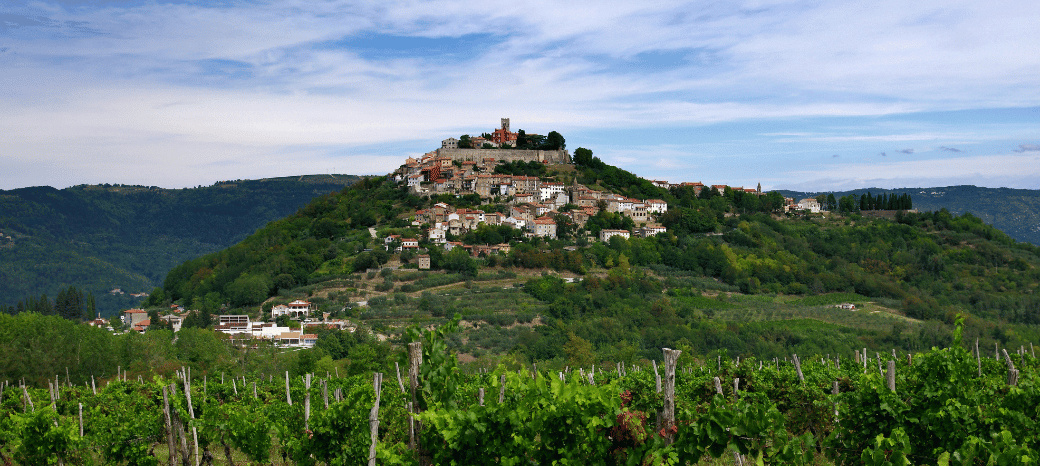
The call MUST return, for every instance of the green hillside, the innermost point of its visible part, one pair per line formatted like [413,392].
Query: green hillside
[1013,211]
[102,237]
[732,273]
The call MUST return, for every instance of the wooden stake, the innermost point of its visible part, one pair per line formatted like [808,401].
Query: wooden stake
[191,413]
[891,375]
[307,402]
[480,396]
[718,385]
[657,377]
[1012,372]
[798,368]
[169,426]
[414,361]
[399,382]
[81,420]
[668,413]
[502,389]
[373,418]
[978,357]
[288,396]
[28,399]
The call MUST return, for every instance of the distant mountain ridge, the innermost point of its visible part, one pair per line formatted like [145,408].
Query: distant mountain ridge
[102,237]
[1013,211]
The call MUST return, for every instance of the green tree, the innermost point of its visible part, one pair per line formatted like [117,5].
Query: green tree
[465,142]
[579,351]
[583,157]
[554,141]
[249,289]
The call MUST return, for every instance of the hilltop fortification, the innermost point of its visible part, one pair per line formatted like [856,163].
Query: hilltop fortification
[509,155]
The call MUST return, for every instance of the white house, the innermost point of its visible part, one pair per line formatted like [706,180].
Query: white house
[294,309]
[656,206]
[810,204]
[550,190]
[605,235]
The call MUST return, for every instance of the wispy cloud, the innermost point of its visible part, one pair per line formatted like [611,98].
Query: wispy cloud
[906,151]
[949,149]
[341,76]
[1015,171]
[1028,148]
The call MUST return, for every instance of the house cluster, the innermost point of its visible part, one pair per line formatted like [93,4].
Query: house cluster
[138,320]
[241,329]
[536,214]
[808,205]
[436,174]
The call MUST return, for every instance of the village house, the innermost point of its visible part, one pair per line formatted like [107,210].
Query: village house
[605,234]
[132,317]
[545,227]
[656,206]
[295,309]
[650,230]
[810,204]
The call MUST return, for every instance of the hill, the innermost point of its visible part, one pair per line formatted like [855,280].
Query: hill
[1013,211]
[102,237]
[731,273]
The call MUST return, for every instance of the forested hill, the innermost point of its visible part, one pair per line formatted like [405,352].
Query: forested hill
[659,291]
[101,237]
[1014,211]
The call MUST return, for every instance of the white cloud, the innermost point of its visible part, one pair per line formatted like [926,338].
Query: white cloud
[998,170]
[131,80]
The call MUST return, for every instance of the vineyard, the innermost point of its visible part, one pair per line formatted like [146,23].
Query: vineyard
[946,406]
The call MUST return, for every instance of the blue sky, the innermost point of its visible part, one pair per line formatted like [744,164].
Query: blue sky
[791,94]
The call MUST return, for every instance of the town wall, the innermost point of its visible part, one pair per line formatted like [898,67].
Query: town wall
[509,155]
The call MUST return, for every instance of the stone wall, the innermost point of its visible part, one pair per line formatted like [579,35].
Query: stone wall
[509,155]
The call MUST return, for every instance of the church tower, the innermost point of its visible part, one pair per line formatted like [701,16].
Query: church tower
[505,124]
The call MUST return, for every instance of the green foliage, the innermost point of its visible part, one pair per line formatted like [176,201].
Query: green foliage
[519,167]
[102,237]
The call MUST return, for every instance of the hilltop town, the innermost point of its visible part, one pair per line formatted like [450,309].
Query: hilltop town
[486,196]
[487,166]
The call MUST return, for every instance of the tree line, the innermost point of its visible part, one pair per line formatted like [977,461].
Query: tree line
[71,304]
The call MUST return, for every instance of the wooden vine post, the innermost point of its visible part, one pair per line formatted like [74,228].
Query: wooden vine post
[373,418]
[978,357]
[657,377]
[1012,378]
[191,413]
[288,397]
[307,402]
[414,361]
[668,413]
[891,375]
[169,425]
[798,368]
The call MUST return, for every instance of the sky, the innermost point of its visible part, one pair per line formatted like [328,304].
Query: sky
[803,95]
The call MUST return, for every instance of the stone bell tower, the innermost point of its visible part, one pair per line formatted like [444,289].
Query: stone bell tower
[505,124]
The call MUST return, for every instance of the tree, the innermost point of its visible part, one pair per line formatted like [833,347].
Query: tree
[583,157]
[555,141]
[465,142]
[580,352]
[521,140]
[459,261]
